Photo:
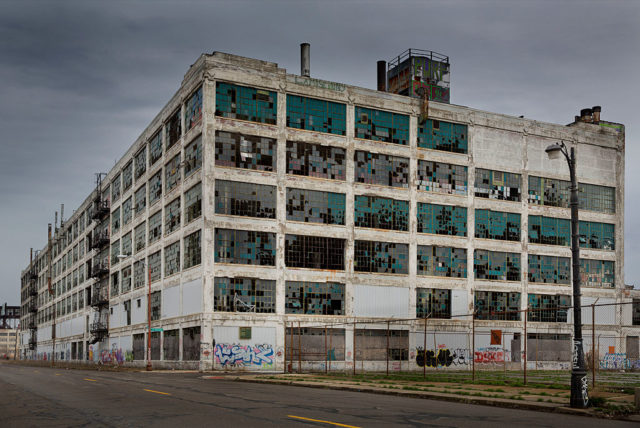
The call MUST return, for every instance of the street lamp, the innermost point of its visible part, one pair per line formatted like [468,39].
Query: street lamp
[124,256]
[579,388]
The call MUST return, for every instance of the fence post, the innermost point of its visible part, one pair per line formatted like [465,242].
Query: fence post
[424,350]
[354,348]
[526,315]
[473,346]
[326,355]
[291,353]
[387,348]
[299,349]
[593,345]
[330,345]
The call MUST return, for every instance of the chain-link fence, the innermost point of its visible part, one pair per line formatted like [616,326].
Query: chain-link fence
[532,345]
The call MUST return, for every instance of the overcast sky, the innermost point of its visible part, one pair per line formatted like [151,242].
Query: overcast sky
[80,80]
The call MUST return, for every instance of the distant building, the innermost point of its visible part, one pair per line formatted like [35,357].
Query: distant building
[257,201]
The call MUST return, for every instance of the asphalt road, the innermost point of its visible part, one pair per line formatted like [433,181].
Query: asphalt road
[60,398]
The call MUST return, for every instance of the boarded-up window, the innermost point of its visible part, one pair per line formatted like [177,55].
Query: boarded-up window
[171,345]
[308,344]
[138,347]
[371,345]
[191,344]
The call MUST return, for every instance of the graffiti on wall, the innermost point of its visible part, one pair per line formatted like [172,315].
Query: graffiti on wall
[235,355]
[116,355]
[490,354]
[619,361]
[442,357]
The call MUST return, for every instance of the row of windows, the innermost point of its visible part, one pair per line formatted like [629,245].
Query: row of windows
[556,193]
[315,252]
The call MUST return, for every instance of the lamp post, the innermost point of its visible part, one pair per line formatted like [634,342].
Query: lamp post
[579,387]
[124,256]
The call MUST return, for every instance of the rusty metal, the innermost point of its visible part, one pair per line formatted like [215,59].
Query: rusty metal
[291,359]
[326,356]
[424,350]
[593,346]
[387,348]
[299,349]
[473,346]
[526,315]
[354,348]
[330,347]
[284,366]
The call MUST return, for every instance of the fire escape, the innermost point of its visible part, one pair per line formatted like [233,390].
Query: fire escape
[99,328]
[32,288]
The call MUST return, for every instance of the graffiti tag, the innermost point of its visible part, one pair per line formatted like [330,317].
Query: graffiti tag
[234,355]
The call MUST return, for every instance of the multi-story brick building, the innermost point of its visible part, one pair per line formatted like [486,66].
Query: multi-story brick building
[257,200]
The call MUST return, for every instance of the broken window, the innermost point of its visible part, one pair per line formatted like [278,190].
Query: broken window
[245,199]
[193,109]
[316,160]
[193,157]
[141,199]
[245,151]
[433,303]
[244,295]
[314,252]
[115,250]
[245,247]
[381,213]
[127,177]
[170,345]
[442,219]
[497,225]
[549,230]
[241,102]
[191,344]
[597,198]
[115,220]
[381,257]
[127,310]
[192,250]
[383,170]
[597,273]
[115,283]
[155,148]
[126,281]
[156,301]
[172,216]
[155,227]
[496,265]
[549,269]
[126,244]
[193,203]
[172,259]
[155,187]
[548,308]
[139,274]
[75,253]
[140,236]
[442,178]
[442,261]
[115,195]
[314,298]
[154,262]
[314,344]
[312,206]
[127,210]
[172,173]
[173,129]
[635,307]
[496,305]
[138,346]
[141,162]
[381,125]
[316,115]
[600,236]
[440,135]
[505,186]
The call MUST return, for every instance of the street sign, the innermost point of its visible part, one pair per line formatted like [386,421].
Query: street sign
[156,329]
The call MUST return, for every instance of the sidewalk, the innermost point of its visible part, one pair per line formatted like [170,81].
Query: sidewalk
[609,404]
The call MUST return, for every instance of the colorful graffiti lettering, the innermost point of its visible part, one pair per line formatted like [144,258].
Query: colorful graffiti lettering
[618,361]
[490,354]
[235,355]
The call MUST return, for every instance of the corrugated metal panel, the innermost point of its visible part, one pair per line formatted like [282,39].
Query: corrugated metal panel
[376,301]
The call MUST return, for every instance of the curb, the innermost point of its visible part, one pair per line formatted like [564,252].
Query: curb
[502,402]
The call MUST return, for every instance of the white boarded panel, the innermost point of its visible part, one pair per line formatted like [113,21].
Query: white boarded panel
[460,303]
[139,314]
[192,297]
[386,302]
[171,302]
[115,320]
[605,315]
[259,335]
[77,325]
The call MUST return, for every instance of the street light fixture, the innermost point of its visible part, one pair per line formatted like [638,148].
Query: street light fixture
[125,256]
[579,387]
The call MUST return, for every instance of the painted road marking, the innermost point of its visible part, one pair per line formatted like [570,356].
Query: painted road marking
[323,422]
[90,380]
[157,392]
[57,374]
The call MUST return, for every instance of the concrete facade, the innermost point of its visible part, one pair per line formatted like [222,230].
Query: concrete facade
[496,142]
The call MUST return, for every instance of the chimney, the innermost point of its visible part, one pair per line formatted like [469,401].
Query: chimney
[305,60]
[596,113]
[585,115]
[61,216]
[382,76]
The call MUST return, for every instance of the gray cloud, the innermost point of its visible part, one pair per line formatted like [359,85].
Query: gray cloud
[81,80]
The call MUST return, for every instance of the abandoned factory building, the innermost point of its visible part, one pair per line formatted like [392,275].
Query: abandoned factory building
[262,211]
